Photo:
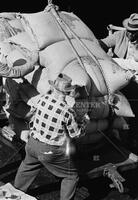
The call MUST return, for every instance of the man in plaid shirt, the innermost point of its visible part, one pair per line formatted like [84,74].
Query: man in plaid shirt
[54,123]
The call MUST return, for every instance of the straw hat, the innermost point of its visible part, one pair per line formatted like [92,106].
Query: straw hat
[62,84]
[131,23]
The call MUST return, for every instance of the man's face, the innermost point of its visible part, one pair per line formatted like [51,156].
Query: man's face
[132,36]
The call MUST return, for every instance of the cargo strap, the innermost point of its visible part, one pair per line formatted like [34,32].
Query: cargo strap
[62,24]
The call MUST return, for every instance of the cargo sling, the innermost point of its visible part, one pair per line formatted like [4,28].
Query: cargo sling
[53,9]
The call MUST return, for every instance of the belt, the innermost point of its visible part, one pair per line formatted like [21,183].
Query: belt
[37,139]
[41,139]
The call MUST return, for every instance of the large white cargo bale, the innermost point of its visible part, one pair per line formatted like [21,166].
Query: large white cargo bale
[5,49]
[16,58]
[118,101]
[9,27]
[16,25]
[14,53]
[24,40]
[131,63]
[81,55]
[8,15]
[106,75]
[43,27]
[4,32]
[74,71]
[127,63]
[17,54]
[54,52]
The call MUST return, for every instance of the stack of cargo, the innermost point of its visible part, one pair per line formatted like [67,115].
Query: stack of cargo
[66,45]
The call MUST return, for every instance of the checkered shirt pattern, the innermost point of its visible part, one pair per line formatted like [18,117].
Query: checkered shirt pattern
[54,120]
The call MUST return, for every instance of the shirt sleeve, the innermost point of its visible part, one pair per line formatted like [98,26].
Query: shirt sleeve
[75,129]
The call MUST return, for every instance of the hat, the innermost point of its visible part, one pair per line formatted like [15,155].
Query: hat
[62,83]
[131,23]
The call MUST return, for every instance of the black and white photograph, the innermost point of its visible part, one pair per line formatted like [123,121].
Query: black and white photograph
[69,100]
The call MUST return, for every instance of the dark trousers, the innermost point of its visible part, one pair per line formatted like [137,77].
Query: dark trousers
[54,159]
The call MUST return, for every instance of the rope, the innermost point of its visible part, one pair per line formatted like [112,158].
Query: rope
[66,36]
[61,22]
[49,1]
[90,53]
[10,28]
[50,6]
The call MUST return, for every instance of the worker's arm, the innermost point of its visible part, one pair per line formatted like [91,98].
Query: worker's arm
[75,128]
[109,41]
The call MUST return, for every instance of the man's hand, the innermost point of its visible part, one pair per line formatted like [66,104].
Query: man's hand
[25,134]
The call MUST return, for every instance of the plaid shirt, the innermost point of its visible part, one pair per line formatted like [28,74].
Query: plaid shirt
[54,120]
